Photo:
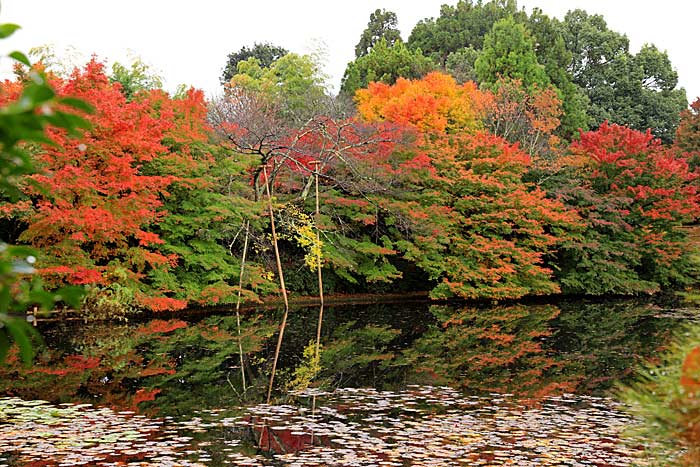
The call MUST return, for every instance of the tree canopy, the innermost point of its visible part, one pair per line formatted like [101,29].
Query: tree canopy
[135,78]
[634,90]
[463,25]
[509,52]
[382,25]
[293,83]
[385,63]
[265,53]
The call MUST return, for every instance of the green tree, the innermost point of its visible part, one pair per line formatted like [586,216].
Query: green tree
[552,53]
[593,46]
[460,26]
[638,91]
[137,77]
[509,52]
[293,84]
[601,66]
[661,102]
[460,64]
[266,54]
[382,25]
[385,63]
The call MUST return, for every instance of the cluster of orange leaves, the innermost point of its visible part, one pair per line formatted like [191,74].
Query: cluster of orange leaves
[435,103]
[689,405]
[479,175]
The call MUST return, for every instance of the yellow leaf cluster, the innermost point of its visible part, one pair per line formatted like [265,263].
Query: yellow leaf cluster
[301,229]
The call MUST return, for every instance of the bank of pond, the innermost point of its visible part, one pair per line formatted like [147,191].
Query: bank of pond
[407,384]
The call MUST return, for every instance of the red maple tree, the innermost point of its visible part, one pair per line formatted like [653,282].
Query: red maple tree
[90,206]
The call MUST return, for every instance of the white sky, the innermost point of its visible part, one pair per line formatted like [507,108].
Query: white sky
[187,42]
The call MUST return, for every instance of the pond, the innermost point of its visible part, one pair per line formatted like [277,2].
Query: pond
[411,384]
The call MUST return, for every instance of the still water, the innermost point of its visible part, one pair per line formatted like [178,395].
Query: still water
[400,385]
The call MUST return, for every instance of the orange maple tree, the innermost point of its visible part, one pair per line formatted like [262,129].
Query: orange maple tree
[435,103]
[475,226]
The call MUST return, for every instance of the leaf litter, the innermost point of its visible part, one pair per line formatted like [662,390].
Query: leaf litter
[419,426]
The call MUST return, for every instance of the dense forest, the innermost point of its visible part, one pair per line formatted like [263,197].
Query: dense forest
[494,154]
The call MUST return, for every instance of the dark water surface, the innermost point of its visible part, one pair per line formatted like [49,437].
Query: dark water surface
[400,385]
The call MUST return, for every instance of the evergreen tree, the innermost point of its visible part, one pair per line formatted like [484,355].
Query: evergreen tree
[509,52]
[382,25]
[265,53]
[638,91]
[460,26]
[552,53]
[385,63]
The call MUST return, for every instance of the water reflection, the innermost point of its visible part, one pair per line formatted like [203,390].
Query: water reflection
[184,365]
[499,349]
[604,341]
[190,370]
[527,350]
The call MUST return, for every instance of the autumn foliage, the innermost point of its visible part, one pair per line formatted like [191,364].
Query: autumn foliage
[91,207]
[433,183]
[435,103]
[495,352]
[529,117]
[626,162]
[688,133]
[479,230]
[634,195]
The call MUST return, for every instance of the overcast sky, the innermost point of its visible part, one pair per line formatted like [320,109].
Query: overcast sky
[187,41]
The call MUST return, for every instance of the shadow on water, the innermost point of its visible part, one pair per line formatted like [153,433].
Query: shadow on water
[472,385]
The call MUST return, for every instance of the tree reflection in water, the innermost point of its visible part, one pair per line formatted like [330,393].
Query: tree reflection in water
[190,370]
[172,365]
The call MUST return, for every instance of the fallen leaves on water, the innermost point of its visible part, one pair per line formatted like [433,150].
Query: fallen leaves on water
[421,426]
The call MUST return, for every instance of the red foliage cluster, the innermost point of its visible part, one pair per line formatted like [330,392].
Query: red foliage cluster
[97,193]
[93,203]
[657,180]
[72,364]
[143,395]
[158,326]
